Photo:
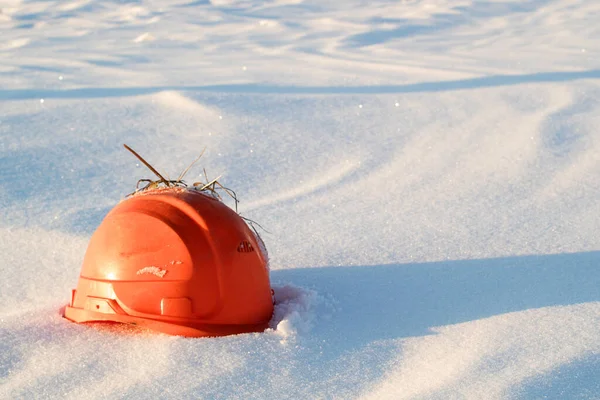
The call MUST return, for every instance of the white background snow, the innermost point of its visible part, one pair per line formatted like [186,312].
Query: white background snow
[428,170]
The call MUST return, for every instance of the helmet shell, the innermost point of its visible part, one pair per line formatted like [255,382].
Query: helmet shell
[177,261]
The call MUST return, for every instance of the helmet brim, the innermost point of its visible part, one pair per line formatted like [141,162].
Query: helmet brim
[176,328]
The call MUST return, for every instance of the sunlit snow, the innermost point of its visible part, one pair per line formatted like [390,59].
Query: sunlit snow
[427,174]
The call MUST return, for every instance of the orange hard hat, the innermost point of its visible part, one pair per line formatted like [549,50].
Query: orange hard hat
[178,261]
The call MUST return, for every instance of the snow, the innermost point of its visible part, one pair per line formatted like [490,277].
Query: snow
[427,171]
[152,270]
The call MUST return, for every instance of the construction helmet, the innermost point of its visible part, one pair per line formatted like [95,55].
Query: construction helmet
[178,261]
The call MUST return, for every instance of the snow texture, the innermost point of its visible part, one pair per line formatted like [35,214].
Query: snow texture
[152,270]
[428,172]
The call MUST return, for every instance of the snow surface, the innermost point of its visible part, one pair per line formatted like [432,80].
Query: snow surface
[428,170]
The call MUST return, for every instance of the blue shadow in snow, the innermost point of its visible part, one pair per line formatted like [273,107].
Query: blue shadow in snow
[47,175]
[384,35]
[396,301]
[460,15]
[444,21]
[195,3]
[578,380]
[372,305]
[251,88]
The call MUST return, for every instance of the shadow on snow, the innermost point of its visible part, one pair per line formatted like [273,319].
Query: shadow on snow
[252,88]
[403,300]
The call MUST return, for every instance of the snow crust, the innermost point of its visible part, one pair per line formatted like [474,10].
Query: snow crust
[427,171]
